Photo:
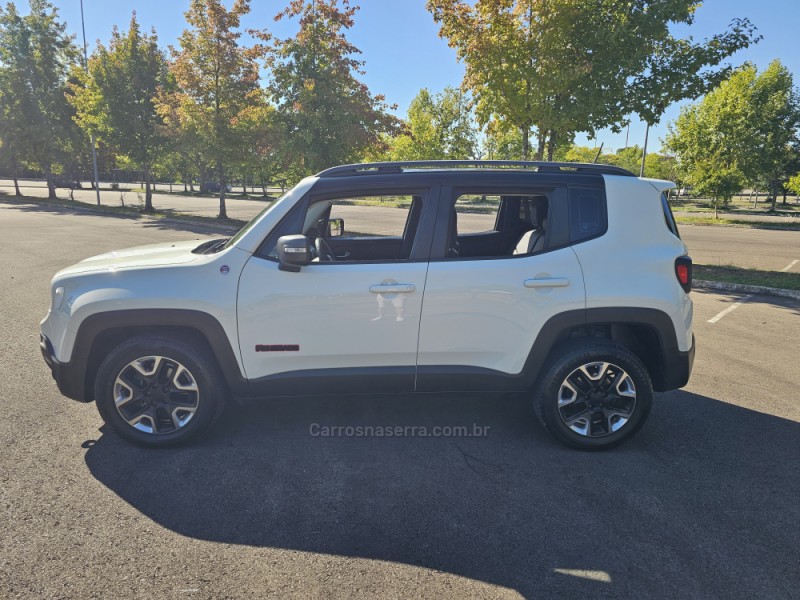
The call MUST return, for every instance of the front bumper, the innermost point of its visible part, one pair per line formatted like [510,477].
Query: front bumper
[68,379]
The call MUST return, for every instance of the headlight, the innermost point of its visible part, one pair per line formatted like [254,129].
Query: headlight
[58,297]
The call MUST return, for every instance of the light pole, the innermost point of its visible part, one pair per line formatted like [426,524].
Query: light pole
[644,150]
[91,135]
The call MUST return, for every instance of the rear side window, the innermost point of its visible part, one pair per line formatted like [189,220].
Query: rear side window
[669,217]
[587,213]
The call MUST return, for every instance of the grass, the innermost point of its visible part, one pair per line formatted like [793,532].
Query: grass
[739,204]
[730,274]
[737,222]
[178,191]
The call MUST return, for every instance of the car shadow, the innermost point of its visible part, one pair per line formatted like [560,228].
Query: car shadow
[702,503]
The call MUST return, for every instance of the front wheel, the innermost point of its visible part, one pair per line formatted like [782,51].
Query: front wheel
[158,391]
[593,395]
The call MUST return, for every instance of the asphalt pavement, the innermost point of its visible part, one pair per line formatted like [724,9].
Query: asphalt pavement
[703,503]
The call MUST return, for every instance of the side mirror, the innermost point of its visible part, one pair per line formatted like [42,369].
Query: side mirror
[335,227]
[293,253]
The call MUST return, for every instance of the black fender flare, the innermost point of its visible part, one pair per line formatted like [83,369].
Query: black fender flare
[76,377]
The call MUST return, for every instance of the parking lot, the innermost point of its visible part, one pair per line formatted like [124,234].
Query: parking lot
[703,503]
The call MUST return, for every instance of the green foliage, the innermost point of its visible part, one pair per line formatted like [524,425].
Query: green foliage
[567,66]
[503,141]
[437,127]
[115,99]
[794,184]
[327,116]
[217,86]
[36,55]
[742,132]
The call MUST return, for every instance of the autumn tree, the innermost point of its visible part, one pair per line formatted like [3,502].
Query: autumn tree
[36,55]
[115,100]
[327,115]
[567,66]
[217,81]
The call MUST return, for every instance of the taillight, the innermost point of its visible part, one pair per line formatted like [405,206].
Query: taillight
[683,271]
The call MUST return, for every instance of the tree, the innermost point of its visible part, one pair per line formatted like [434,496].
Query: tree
[742,132]
[36,56]
[567,66]
[438,127]
[502,141]
[327,116]
[115,100]
[217,83]
[794,184]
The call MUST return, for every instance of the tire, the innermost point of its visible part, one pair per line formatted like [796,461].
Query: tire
[593,394]
[169,390]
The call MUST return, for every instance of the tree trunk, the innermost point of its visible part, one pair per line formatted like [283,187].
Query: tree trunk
[51,185]
[774,189]
[16,185]
[551,144]
[542,140]
[223,214]
[526,142]
[148,192]
[784,195]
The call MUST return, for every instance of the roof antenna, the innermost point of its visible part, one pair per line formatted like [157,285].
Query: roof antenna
[599,150]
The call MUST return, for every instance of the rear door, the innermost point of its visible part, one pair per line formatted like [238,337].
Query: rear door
[483,312]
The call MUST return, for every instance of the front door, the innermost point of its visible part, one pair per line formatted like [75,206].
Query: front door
[347,323]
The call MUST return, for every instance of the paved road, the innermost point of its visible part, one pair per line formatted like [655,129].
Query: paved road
[702,504]
[772,250]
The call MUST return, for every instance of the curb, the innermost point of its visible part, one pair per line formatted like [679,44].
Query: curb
[746,289]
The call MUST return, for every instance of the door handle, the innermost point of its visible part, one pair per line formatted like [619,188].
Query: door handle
[549,282]
[392,288]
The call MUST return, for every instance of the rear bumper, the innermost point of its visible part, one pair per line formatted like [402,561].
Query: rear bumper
[677,368]
[68,379]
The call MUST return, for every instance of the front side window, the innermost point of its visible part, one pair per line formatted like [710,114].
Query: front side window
[357,228]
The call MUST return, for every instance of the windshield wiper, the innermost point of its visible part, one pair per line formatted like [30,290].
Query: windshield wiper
[211,246]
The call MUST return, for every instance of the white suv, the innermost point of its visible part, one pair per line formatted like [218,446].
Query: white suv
[568,282]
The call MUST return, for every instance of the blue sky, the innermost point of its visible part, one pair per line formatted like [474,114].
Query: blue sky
[403,52]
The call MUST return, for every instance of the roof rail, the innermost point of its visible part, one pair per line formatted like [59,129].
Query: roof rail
[381,168]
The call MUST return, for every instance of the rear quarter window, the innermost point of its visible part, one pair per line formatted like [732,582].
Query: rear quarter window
[668,216]
[587,213]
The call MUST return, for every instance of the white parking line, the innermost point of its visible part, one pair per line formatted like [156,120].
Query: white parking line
[790,265]
[730,309]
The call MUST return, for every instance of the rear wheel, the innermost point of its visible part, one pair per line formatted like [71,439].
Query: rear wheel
[593,395]
[158,391]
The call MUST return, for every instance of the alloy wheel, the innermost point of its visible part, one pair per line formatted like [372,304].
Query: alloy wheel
[156,395]
[597,399]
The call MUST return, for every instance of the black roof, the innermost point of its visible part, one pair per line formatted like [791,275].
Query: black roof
[381,168]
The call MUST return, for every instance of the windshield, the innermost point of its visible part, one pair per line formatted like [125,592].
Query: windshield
[301,187]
